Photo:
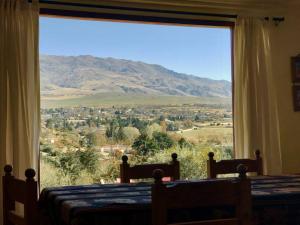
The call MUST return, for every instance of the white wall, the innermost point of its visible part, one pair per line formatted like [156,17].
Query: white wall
[285,44]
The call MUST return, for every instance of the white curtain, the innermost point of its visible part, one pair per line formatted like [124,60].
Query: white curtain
[255,108]
[19,86]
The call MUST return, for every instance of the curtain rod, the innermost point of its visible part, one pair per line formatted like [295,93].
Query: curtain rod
[277,20]
[136,9]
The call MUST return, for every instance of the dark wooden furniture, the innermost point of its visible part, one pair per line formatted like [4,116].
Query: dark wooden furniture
[236,193]
[145,171]
[229,166]
[25,192]
[275,201]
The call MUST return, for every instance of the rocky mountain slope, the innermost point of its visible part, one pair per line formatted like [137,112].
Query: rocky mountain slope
[68,76]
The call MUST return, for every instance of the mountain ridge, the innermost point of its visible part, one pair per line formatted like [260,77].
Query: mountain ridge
[69,76]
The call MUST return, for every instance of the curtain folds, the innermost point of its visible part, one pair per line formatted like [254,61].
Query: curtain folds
[19,86]
[255,108]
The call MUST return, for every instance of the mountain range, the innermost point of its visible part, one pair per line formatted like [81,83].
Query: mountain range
[79,76]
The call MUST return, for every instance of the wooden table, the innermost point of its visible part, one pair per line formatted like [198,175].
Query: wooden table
[276,201]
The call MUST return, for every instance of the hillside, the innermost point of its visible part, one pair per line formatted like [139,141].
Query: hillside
[79,76]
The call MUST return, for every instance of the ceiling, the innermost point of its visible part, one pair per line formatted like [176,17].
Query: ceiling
[241,7]
[225,4]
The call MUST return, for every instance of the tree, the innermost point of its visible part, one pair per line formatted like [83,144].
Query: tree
[90,122]
[152,128]
[71,125]
[111,129]
[144,145]
[131,133]
[162,118]
[172,127]
[139,124]
[50,123]
[91,139]
[77,125]
[65,124]
[197,118]
[69,165]
[98,122]
[162,140]
[120,136]
[88,160]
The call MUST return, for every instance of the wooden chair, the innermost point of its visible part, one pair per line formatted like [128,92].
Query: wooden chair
[145,171]
[234,193]
[229,166]
[25,192]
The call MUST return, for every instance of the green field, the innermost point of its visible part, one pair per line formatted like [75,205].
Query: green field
[120,99]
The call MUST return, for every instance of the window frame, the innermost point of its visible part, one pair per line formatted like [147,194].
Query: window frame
[219,20]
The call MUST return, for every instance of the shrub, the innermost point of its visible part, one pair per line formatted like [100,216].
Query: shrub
[162,140]
[144,145]
[192,159]
[131,133]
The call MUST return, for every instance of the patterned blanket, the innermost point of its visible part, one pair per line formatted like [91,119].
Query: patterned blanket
[276,201]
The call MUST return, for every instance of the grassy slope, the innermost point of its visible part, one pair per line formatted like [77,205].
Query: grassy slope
[120,99]
[224,134]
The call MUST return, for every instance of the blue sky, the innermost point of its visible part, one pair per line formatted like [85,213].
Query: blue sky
[200,51]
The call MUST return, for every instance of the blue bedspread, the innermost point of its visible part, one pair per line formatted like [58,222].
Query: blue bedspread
[276,201]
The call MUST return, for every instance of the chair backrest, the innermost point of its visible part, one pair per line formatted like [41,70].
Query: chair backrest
[235,193]
[145,171]
[229,166]
[25,192]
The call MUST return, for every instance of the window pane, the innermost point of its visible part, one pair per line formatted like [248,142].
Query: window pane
[111,88]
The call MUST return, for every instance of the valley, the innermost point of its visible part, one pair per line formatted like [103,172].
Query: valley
[94,110]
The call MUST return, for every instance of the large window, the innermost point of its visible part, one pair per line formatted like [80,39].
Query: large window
[111,88]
